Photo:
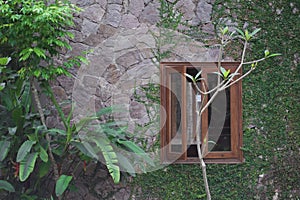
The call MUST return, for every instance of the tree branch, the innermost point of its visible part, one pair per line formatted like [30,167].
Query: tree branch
[43,120]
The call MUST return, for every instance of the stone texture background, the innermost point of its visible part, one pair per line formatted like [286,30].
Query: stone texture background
[119,36]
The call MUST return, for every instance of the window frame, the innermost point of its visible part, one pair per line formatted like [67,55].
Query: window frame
[235,155]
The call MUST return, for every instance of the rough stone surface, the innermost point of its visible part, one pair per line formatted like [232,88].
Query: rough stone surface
[129,21]
[89,27]
[150,14]
[204,10]
[112,74]
[186,6]
[119,34]
[94,13]
[128,59]
[113,15]
[136,7]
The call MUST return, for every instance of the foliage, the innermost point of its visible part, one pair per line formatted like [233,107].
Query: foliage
[62,184]
[270,113]
[44,31]
[3,62]
[34,34]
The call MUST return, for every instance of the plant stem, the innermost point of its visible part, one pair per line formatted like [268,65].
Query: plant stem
[43,120]
[200,151]
[58,108]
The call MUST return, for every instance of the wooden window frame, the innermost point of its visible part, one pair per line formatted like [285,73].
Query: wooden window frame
[235,154]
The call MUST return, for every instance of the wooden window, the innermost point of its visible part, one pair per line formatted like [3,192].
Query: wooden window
[221,122]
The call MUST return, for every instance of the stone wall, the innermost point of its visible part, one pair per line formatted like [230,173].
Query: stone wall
[120,37]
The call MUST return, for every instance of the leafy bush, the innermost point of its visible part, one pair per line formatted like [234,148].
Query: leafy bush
[34,33]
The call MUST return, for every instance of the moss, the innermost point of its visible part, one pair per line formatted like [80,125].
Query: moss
[271,97]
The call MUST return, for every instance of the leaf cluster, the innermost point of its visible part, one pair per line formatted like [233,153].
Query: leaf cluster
[35,31]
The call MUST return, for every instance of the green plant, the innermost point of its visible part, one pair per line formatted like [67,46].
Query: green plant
[225,80]
[34,33]
[270,114]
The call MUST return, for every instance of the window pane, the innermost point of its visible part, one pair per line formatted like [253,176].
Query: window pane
[176,96]
[193,103]
[219,138]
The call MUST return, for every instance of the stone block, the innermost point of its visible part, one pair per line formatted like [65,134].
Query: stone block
[204,11]
[128,59]
[150,14]
[136,7]
[94,13]
[129,21]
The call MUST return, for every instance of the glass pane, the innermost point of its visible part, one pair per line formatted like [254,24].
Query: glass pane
[219,138]
[193,103]
[176,96]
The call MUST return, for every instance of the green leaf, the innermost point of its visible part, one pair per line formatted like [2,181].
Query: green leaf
[24,150]
[255,32]
[27,166]
[12,130]
[110,157]
[190,77]
[2,86]
[26,96]
[223,70]
[85,148]
[274,54]
[37,73]
[224,30]
[57,131]
[62,184]
[267,52]
[136,149]
[4,61]
[4,148]
[44,168]
[83,122]
[43,154]
[198,74]
[24,55]
[247,35]
[240,32]
[125,163]
[39,52]
[6,186]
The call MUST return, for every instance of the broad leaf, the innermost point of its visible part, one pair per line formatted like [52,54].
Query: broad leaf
[4,61]
[27,166]
[58,131]
[83,122]
[85,148]
[6,186]
[62,184]
[44,168]
[12,130]
[136,149]
[2,86]
[110,109]
[4,148]
[24,150]
[43,154]
[110,157]
[125,163]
